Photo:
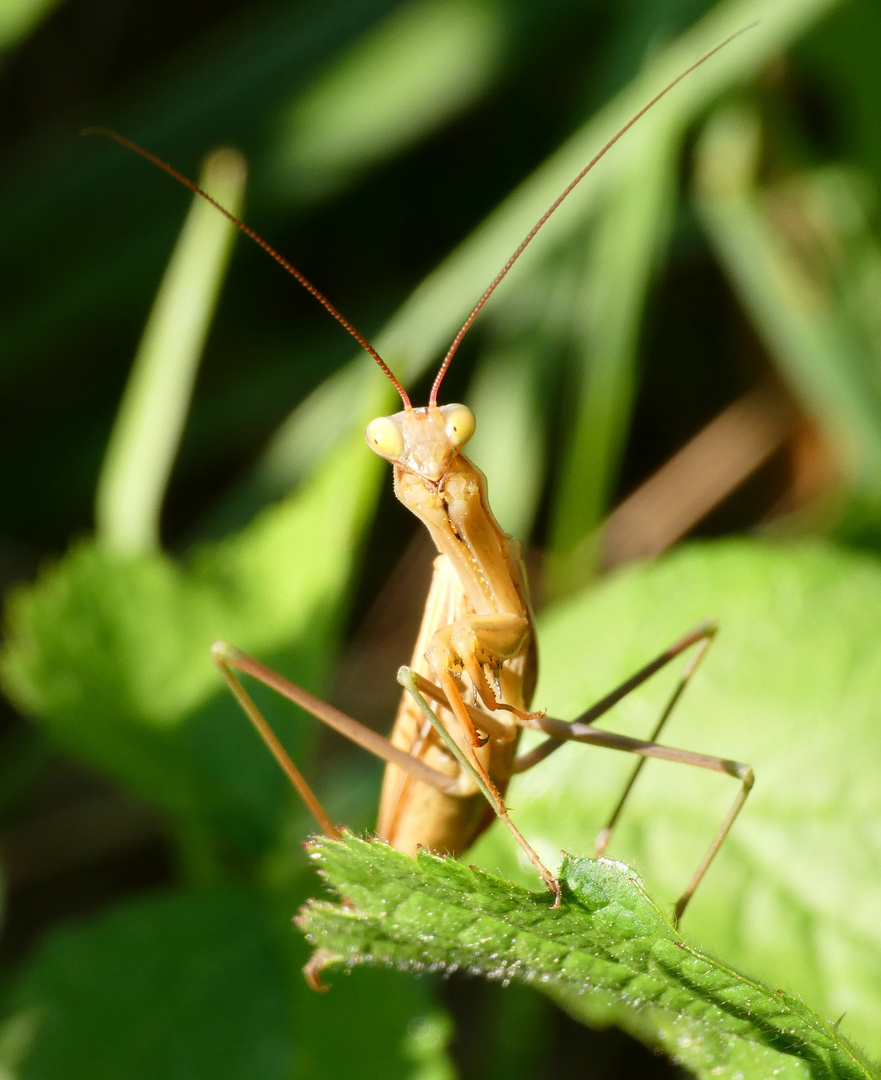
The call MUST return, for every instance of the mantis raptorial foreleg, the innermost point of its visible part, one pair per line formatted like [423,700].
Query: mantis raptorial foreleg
[582,730]
[411,682]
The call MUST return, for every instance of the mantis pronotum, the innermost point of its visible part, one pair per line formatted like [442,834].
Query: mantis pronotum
[468,688]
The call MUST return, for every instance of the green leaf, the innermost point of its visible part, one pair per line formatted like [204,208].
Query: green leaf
[808,307]
[606,338]
[203,986]
[111,651]
[18,18]
[608,956]
[793,687]
[176,986]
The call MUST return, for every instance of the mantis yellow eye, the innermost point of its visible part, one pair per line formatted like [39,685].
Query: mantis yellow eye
[384,438]
[459,421]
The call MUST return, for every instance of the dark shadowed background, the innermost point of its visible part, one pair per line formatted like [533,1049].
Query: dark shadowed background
[708,309]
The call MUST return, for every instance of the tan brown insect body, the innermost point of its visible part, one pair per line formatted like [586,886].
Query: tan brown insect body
[468,689]
[477,615]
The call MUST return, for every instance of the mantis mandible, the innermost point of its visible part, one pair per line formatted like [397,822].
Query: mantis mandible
[469,685]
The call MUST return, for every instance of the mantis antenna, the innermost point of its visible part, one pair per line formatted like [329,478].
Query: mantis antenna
[570,187]
[267,247]
[491,288]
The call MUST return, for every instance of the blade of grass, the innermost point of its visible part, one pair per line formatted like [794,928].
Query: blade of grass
[420,65]
[621,257]
[150,422]
[796,304]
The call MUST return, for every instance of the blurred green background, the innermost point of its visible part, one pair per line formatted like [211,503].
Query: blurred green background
[706,307]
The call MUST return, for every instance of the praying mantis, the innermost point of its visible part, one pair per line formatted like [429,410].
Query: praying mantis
[468,687]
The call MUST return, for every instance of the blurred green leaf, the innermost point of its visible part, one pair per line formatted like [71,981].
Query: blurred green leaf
[201,986]
[425,62]
[175,986]
[609,955]
[616,280]
[793,687]
[112,651]
[18,18]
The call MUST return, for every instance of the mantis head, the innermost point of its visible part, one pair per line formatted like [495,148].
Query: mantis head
[422,441]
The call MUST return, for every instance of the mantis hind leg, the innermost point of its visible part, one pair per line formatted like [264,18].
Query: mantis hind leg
[224,656]
[701,637]
[230,661]
[582,730]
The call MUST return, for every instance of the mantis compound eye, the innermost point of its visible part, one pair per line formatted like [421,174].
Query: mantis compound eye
[385,438]
[459,422]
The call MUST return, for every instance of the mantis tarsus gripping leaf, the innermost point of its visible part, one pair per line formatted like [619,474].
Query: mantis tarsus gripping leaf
[469,685]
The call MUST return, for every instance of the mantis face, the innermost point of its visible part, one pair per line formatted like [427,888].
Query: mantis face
[422,441]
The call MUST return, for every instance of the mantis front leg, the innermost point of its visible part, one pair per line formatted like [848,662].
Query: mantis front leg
[472,767]
[471,644]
